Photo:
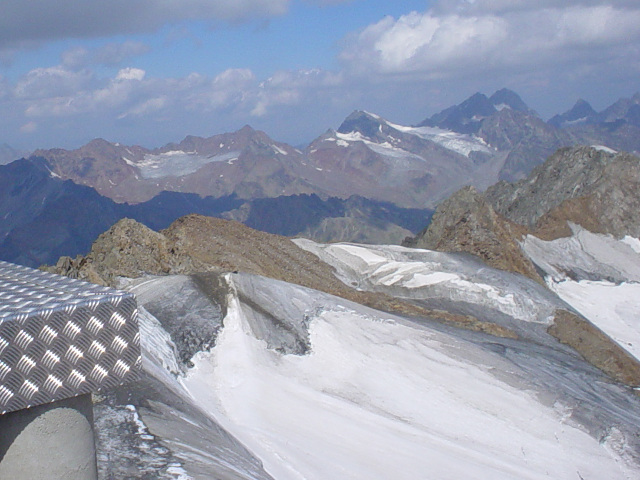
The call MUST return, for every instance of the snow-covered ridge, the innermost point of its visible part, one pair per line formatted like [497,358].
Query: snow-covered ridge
[457,142]
[378,397]
[604,148]
[385,148]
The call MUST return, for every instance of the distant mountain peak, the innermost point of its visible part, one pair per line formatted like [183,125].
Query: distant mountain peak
[98,142]
[581,112]
[9,154]
[510,99]
[465,117]
[366,123]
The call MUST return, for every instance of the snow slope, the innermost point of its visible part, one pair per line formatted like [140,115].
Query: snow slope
[378,397]
[299,384]
[597,275]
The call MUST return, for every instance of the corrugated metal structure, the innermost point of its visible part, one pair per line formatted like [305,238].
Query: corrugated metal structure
[61,337]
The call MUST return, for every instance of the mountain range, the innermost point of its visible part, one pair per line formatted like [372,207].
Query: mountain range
[370,180]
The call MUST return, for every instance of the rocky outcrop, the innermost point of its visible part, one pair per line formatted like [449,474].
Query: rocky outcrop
[596,347]
[466,222]
[592,187]
[128,249]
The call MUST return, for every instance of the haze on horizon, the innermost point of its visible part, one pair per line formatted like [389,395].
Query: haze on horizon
[151,72]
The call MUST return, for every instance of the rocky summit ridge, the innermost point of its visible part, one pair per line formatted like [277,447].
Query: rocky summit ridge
[467,222]
[591,186]
[594,188]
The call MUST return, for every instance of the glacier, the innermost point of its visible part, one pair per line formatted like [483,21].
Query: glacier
[179,163]
[284,382]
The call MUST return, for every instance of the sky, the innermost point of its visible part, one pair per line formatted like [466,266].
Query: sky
[150,72]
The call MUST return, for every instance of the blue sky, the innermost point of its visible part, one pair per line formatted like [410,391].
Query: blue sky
[152,71]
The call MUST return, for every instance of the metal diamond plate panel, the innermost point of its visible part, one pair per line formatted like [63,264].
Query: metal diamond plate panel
[61,337]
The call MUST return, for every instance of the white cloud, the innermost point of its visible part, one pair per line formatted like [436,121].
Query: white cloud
[465,37]
[29,127]
[131,74]
[52,81]
[62,92]
[287,88]
[110,54]
[404,68]
[150,106]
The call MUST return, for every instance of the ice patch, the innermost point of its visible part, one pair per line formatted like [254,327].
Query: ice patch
[178,163]
[424,275]
[603,148]
[277,149]
[587,256]
[633,242]
[156,341]
[53,174]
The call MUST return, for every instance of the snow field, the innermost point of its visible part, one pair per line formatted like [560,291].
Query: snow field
[379,399]
[615,309]
[612,306]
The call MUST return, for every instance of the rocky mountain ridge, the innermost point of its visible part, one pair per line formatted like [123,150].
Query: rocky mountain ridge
[593,187]
[196,244]
[369,181]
